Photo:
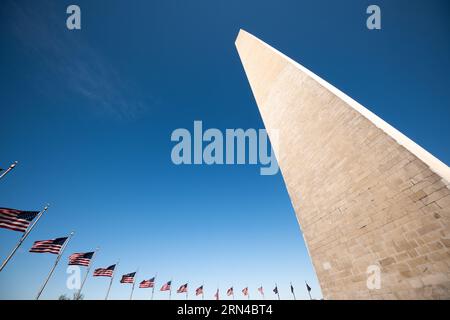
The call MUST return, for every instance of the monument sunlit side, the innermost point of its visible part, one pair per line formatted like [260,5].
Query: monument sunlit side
[373,206]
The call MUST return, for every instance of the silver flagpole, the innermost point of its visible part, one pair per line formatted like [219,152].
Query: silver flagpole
[187,291]
[9,169]
[278,291]
[111,281]
[134,282]
[154,284]
[170,290]
[24,236]
[54,266]
[87,272]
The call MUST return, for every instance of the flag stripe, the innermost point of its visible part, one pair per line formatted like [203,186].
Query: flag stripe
[147,283]
[182,288]
[104,272]
[81,259]
[199,291]
[128,278]
[48,246]
[166,286]
[16,220]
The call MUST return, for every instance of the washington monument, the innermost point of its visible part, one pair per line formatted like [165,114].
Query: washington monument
[373,206]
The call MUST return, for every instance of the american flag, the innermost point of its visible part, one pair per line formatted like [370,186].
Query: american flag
[166,286]
[182,288]
[104,272]
[261,290]
[230,292]
[245,291]
[199,291]
[216,295]
[128,278]
[17,220]
[48,246]
[307,287]
[80,259]
[147,283]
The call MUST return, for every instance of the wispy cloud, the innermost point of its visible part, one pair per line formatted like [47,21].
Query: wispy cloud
[71,59]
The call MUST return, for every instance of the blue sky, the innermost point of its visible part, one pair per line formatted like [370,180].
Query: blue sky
[89,115]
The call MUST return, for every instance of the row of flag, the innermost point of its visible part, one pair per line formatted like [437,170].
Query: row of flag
[18,220]
[150,283]
[24,221]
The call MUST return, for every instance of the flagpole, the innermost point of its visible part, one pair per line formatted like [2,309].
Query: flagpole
[187,292]
[203,290]
[154,284]
[12,166]
[309,291]
[134,282]
[54,266]
[170,290]
[87,272]
[278,291]
[248,293]
[24,236]
[292,290]
[111,281]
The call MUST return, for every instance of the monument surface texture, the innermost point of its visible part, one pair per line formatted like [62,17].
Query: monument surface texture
[365,195]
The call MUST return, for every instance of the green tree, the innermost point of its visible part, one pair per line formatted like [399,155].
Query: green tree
[76,296]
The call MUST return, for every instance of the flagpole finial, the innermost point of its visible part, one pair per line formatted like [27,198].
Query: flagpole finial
[14,164]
